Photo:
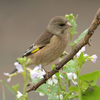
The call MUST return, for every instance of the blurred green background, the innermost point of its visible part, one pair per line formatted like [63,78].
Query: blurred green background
[21,22]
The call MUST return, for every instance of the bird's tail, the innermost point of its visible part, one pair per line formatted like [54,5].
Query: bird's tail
[15,70]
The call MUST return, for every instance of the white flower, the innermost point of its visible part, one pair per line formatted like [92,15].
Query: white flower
[72,76]
[61,76]
[80,51]
[38,67]
[18,67]
[94,58]
[16,64]
[74,82]
[9,78]
[60,96]
[36,72]
[41,94]
[19,94]
[53,80]
[85,55]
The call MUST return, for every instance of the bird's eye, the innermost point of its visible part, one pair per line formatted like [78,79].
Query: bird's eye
[61,24]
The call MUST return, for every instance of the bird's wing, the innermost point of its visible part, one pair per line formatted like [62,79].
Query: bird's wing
[32,49]
[41,42]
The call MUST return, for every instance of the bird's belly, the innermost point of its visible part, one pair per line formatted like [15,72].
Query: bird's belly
[49,53]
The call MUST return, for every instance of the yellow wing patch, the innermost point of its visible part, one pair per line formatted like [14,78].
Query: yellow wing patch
[35,50]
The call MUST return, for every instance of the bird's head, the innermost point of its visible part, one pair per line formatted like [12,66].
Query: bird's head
[58,25]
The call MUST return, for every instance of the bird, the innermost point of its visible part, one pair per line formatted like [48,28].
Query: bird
[50,44]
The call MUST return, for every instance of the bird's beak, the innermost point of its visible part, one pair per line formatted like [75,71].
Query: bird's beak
[68,25]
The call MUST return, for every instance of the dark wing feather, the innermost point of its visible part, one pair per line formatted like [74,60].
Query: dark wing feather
[41,42]
[31,50]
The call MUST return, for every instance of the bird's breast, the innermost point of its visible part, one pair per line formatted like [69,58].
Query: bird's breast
[51,51]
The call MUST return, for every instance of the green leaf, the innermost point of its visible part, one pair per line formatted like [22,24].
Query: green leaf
[5,84]
[36,80]
[71,44]
[28,60]
[15,87]
[72,64]
[53,66]
[3,94]
[43,89]
[53,89]
[65,76]
[81,36]
[21,60]
[67,95]
[68,69]
[81,59]
[73,88]
[52,97]
[73,96]
[93,95]
[57,75]
[72,20]
[22,98]
[26,96]
[89,79]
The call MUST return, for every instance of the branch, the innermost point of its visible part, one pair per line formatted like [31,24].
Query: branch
[77,47]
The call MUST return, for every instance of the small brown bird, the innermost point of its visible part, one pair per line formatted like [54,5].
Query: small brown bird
[50,44]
